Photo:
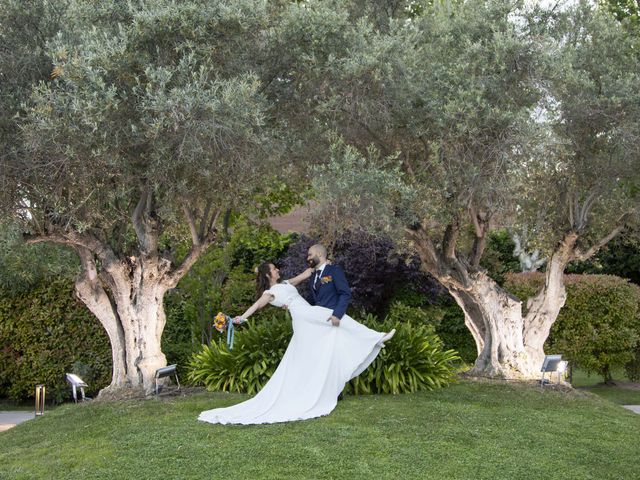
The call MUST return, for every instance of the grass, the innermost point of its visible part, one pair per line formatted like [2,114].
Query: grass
[468,431]
[614,393]
[6,405]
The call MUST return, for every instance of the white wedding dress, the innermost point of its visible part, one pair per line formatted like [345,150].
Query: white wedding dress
[319,361]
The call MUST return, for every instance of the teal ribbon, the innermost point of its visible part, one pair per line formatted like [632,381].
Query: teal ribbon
[230,332]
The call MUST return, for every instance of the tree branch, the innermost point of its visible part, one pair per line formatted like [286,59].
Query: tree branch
[480,241]
[473,214]
[571,220]
[193,255]
[449,239]
[88,264]
[584,211]
[426,248]
[582,256]
[381,145]
[143,224]
[137,218]
[196,250]
[195,238]
[212,221]
[83,243]
[74,239]
[204,221]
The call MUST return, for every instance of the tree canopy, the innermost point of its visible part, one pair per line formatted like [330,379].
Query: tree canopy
[131,122]
[135,125]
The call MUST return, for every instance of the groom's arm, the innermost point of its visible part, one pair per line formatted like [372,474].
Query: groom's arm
[343,291]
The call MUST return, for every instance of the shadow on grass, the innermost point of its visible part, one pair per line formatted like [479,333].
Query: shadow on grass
[620,391]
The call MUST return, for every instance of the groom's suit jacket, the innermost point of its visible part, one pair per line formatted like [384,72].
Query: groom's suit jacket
[331,291]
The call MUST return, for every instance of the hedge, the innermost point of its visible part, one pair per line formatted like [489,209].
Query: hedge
[44,333]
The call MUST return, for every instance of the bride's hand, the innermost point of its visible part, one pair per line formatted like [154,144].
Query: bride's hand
[238,320]
[308,272]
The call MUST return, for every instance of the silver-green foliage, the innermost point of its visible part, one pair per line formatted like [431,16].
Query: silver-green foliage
[583,176]
[159,95]
[361,191]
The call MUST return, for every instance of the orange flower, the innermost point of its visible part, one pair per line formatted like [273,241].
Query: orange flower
[220,321]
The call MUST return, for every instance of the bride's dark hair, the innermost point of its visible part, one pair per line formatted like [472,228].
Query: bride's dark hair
[262,278]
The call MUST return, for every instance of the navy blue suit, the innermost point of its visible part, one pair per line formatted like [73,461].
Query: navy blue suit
[332,290]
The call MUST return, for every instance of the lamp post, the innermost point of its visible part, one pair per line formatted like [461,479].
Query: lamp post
[40,394]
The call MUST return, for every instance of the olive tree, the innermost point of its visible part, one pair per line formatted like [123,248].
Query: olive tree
[491,116]
[143,121]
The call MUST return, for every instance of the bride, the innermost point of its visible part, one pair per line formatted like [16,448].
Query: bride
[319,361]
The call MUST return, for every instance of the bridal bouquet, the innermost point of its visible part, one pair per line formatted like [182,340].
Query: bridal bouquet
[223,322]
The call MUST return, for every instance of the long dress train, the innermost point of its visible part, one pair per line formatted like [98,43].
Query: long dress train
[318,362]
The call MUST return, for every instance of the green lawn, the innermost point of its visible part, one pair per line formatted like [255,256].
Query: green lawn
[6,405]
[468,431]
[593,383]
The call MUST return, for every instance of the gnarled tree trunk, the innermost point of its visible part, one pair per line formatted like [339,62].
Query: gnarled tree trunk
[494,318]
[509,344]
[543,309]
[135,310]
[126,294]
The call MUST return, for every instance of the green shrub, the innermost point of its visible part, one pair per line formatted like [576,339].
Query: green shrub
[414,360]
[254,244]
[598,329]
[632,368]
[221,280]
[446,317]
[526,285]
[45,333]
[452,330]
[182,336]
[402,313]
[498,257]
[257,350]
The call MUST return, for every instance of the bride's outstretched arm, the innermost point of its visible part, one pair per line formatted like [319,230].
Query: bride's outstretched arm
[261,302]
[297,280]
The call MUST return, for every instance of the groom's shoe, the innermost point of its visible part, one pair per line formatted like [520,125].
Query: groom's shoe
[387,337]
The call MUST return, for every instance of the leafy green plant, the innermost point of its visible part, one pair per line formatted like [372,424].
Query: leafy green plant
[221,280]
[452,330]
[399,312]
[498,257]
[414,360]
[254,244]
[446,317]
[257,351]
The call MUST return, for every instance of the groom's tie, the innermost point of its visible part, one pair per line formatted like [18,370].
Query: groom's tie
[315,280]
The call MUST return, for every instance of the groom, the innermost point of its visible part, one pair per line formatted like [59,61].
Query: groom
[328,284]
